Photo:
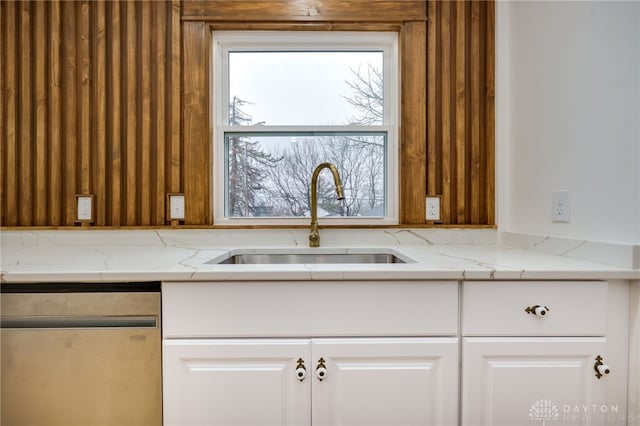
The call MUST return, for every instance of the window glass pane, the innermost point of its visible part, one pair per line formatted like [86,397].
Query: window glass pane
[305,88]
[269,174]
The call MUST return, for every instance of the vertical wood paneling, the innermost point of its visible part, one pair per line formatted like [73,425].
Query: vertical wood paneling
[196,160]
[25,187]
[159,52]
[84,84]
[41,69]
[12,94]
[3,79]
[99,131]
[69,83]
[114,118]
[55,111]
[85,101]
[489,101]
[474,73]
[445,107]
[432,38]
[460,69]
[93,102]
[460,116]
[414,127]
[9,140]
[131,114]
[175,99]
[145,131]
[483,204]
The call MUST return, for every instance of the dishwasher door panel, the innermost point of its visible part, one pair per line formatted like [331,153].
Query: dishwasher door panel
[105,373]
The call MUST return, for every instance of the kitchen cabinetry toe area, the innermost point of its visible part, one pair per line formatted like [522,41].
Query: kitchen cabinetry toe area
[395,352]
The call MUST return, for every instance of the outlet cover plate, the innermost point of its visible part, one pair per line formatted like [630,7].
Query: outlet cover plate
[176,206]
[84,208]
[433,208]
[561,209]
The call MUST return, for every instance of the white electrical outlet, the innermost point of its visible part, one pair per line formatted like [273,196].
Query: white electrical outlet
[561,211]
[433,209]
[84,208]
[176,207]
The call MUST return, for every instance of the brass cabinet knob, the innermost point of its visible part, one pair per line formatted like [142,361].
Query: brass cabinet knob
[601,368]
[301,371]
[321,370]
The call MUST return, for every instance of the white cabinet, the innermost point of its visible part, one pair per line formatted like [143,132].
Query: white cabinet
[395,381]
[391,353]
[508,381]
[255,382]
[549,375]
[309,309]
[232,353]
[235,382]
[508,308]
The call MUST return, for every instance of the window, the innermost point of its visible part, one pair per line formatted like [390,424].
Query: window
[285,102]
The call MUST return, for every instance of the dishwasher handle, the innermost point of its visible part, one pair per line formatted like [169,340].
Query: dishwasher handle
[66,322]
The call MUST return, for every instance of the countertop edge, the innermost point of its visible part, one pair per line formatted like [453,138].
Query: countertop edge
[310,275]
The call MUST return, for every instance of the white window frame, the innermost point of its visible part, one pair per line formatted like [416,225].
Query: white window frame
[226,41]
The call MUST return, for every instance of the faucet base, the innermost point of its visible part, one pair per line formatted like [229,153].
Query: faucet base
[314,236]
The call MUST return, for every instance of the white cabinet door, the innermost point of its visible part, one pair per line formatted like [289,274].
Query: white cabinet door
[393,381]
[236,382]
[536,381]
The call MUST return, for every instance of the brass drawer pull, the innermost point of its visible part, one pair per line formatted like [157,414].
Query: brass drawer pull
[601,368]
[537,310]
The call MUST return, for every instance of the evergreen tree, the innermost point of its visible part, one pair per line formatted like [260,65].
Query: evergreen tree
[248,166]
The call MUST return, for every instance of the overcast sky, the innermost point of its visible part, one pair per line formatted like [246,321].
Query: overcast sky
[294,88]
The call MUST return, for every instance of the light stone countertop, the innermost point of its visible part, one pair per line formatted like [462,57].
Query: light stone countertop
[180,255]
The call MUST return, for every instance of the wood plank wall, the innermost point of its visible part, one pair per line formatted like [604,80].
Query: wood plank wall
[111,99]
[460,110]
[90,105]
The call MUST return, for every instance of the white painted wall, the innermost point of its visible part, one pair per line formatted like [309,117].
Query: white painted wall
[568,117]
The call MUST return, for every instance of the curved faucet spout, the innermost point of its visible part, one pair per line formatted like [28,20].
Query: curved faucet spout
[314,235]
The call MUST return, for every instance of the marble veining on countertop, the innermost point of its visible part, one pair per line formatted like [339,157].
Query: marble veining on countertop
[180,255]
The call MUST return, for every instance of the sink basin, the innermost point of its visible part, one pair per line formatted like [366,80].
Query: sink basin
[238,258]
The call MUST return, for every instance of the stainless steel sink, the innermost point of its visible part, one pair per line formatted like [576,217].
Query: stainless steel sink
[302,258]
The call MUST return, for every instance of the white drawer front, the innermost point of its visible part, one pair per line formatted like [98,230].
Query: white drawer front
[299,308]
[575,308]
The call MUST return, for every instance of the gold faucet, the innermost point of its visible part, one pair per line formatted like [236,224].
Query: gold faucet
[314,236]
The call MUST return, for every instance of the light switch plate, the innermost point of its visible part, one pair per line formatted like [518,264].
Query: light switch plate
[561,211]
[176,206]
[433,208]
[84,208]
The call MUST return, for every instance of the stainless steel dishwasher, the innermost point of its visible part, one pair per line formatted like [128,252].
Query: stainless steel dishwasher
[80,354]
